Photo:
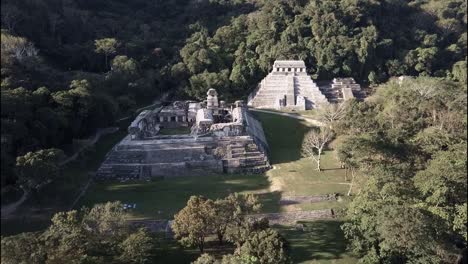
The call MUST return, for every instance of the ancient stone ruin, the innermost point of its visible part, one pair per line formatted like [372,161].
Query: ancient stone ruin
[287,86]
[223,138]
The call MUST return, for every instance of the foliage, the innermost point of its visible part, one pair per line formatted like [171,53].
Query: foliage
[38,168]
[106,46]
[407,144]
[368,40]
[193,223]
[18,249]
[266,246]
[205,259]
[96,235]
[203,217]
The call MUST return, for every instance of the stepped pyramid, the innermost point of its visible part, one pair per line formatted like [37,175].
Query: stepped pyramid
[287,86]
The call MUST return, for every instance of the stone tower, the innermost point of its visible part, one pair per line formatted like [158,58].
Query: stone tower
[212,100]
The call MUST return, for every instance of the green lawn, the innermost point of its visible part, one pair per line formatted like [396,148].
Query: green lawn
[161,199]
[292,173]
[320,241]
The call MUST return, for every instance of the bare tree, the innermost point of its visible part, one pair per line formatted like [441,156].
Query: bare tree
[314,142]
[330,113]
[17,47]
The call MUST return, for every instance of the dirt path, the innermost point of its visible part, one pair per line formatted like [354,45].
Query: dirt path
[10,208]
[295,116]
[99,133]
[283,218]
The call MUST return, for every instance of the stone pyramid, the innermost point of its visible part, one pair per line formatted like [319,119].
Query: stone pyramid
[287,86]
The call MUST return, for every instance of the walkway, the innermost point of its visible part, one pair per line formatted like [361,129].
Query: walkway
[295,116]
[10,208]
[284,218]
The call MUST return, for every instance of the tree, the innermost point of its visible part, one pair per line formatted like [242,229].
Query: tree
[193,223]
[17,47]
[124,65]
[314,142]
[238,233]
[206,259]
[372,77]
[331,113]
[137,248]
[21,248]
[239,259]
[231,215]
[459,71]
[106,46]
[443,183]
[268,246]
[96,235]
[65,239]
[36,169]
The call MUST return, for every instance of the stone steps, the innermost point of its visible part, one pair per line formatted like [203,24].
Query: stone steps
[118,172]
[246,154]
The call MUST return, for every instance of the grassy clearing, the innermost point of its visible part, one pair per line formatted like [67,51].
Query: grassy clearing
[320,241]
[161,199]
[292,173]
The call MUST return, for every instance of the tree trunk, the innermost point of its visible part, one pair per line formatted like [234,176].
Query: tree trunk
[318,164]
[346,174]
[107,66]
[220,237]
[201,245]
[319,156]
[352,182]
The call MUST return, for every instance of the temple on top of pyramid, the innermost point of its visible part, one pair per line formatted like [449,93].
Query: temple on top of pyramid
[287,86]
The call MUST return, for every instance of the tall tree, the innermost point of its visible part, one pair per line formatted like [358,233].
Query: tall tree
[314,143]
[193,223]
[106,46]
[35,169]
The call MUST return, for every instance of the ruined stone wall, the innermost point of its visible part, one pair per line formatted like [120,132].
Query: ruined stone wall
[254,128]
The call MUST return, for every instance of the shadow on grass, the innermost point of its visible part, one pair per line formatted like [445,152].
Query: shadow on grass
[172,252]
[161,199]
[24,224]
[318,240]
[284,136]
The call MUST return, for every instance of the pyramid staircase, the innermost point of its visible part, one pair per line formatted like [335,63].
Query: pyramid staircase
[275,87]
[245,157]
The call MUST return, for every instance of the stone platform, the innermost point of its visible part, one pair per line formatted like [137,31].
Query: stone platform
[174,156]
